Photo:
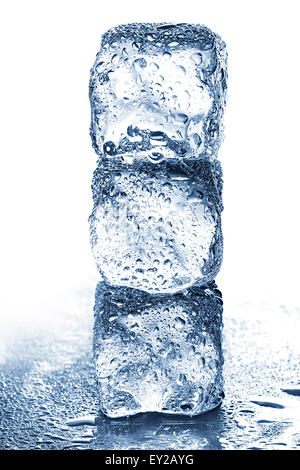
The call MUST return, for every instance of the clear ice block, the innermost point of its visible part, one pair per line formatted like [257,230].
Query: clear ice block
[157,228]
[158,91]
[158,353]
[157,94]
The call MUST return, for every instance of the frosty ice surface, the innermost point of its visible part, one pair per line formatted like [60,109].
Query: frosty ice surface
[158,91]
[158,353]
[157,97]
[157,94]
[157,228]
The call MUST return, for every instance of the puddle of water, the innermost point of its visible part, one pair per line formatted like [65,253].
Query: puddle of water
[82,421]
[268,404]
[49,396]
[292,391]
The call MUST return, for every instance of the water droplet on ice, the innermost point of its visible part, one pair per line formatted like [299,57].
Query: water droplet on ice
[196,58]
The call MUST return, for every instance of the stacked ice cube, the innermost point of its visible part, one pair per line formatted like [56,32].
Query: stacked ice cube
[157,95]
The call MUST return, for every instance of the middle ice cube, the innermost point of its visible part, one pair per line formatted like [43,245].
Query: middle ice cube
[154,227]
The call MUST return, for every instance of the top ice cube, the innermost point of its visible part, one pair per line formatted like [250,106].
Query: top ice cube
[158,91]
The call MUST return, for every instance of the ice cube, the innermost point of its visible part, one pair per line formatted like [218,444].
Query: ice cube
[158,88]
[157,228]
[158,353]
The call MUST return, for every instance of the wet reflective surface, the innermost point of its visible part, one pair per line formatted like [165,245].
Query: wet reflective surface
[48,395]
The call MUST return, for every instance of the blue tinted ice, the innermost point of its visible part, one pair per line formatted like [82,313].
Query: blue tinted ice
[158,91]
[157,94]
[157,227]
[158,353]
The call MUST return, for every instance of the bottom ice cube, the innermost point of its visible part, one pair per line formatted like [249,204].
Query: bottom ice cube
[158,353]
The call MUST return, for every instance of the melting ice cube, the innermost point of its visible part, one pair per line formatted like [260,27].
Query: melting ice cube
[158,353]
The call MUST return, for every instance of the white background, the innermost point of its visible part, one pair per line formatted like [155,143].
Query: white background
[47,49]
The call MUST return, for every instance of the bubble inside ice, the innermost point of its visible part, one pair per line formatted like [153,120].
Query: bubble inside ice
[158,353]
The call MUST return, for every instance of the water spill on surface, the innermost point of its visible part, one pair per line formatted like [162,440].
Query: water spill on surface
[268,404]
[48,395]
[83,420]
[292,391]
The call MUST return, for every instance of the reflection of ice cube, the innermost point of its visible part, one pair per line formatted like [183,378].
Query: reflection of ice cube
[158,353]
[157,228]
[169,79]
